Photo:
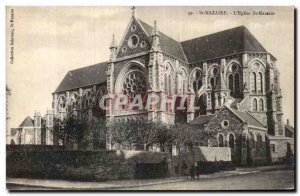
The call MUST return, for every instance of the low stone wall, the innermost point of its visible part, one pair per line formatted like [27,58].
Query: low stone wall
[207,154]
[86,165]
[205,160]
[281,148]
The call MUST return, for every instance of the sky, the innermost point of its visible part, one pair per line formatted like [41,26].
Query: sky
[50,41]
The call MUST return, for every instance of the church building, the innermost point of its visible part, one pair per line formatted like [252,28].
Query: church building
[233,77]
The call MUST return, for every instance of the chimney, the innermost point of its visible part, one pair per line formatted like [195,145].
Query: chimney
[287,121]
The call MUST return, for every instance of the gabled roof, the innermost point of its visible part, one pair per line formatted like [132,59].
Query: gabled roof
[85,76]
[246,117]
[27,122]
[167,44]
[201,120]
[223,43]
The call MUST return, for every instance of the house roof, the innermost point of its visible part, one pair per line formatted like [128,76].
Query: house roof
[201,120]
[27,122]
[246,117]
[167,44]
[85,76]
[223,43]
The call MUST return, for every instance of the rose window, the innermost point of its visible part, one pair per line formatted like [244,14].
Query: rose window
[134,84]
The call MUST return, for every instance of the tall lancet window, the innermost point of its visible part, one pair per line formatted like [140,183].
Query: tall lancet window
[253,81]
[197,80]
[237,84]
[168,79]
[234,80]
[230,81]
[182,82]
[259,82]
[254,104]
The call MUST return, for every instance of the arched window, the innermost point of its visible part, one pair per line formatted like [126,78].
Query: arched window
[237,84]
[197,80]
[166,84]
[212,83]
[253,81]
[261,104]
[168,79]
[74,104]
[221,140]
[182,82]
[234,79]
[231,140]
[62,102]
[87,99]
[254,104]
[259,82]
[134,84]
[214,77]
[231,88]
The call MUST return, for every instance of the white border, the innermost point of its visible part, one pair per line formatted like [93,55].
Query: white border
[106,3]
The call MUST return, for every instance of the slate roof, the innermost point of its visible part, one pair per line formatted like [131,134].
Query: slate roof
[27,122]
[219,44]
[228,42]
[201,120]
[85,76]
[246,117]
[167,44]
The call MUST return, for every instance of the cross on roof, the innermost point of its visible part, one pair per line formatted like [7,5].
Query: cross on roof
[133,10]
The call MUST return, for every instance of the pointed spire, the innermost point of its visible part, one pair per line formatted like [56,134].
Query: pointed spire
[155,29]
[113,42]
[113,48]
[133,9]
[155,38]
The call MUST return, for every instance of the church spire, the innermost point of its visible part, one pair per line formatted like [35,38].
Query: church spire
[113,48]
[155,30]
[155,38]
[113,42]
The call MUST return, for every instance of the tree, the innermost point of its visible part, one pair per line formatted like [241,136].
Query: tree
[122,133]
[97,126]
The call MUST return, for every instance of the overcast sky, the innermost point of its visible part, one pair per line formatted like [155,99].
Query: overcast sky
[50,41]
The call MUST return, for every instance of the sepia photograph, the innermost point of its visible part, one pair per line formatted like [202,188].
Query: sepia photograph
[150,98]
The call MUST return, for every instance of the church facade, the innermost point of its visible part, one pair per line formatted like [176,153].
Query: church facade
[233,78]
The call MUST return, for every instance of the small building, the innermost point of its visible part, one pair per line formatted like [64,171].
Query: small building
[282,145]
[238,130]
[37,131]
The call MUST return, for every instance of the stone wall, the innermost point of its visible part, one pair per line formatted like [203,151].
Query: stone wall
[83,165]
[280,147]
[208,154]
[235,127]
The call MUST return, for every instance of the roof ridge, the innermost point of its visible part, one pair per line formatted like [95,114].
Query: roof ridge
[160,32]
[241,26]
[254,118]
[234,112]
[87,66]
